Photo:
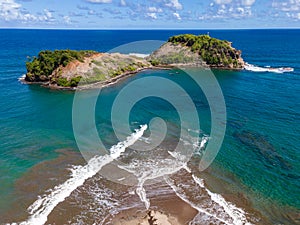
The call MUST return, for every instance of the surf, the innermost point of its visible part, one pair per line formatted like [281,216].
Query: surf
[254,68]
[211,207]
[44,205]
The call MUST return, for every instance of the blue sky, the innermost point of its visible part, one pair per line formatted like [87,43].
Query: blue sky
[149,14]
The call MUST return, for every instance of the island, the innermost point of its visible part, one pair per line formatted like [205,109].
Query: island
[201,50]
[69,69]
[66,68]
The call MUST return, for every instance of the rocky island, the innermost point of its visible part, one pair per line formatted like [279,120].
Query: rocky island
[68,68]
[202,50]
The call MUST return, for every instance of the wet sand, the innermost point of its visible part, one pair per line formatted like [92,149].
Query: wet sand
[44,176]
[100,201]
[152,217]
[171,211]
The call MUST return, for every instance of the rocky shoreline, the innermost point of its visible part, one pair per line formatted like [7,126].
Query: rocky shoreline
[96,85]
[73,70]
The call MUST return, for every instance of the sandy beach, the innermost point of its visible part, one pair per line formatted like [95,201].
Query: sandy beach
[164,211]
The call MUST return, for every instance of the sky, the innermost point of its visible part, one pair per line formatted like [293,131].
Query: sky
[149,14]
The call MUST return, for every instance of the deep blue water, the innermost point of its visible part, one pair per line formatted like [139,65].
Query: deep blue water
[261,146]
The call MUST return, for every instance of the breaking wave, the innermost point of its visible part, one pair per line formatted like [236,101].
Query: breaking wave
[44,205]
[254,68]
[212,208]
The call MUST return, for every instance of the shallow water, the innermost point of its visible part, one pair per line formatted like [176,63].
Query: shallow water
[259,158]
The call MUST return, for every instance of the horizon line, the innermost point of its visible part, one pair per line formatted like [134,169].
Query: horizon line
[65,28]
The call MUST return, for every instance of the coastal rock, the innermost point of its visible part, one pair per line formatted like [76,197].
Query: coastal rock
[59,69]
[174,55]
[69,69]
[201,50]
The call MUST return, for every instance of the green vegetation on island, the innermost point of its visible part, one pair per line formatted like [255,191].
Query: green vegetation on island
[41,67]
[68,68]
[189,48]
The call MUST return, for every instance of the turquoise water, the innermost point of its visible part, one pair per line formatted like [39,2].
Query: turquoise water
[261,146]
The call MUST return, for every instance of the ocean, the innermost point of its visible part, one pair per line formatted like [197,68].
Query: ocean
[254,179]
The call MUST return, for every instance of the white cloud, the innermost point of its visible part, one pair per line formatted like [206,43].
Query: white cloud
[48,14]
[231,8]
[67,19]
[9,10]
[290,8]
[236,2]
[152,15]
[248,2]
[222,2]
[154,9]
[287,6]
[13,11]
[298,16]
[177,16]
[174,4]
[240,10]
[99,1]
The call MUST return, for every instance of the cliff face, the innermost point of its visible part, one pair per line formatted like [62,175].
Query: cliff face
[200,50]
[87,69]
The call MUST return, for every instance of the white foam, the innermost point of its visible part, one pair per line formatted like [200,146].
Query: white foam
[149,169]
[199,147]
[254,68]
[203,142]
[181,158]
[141,192]
[199,209]
[156,167]
[97,204]
[22,78]
[212,208]
[139,55]
[237,214]
[44,205]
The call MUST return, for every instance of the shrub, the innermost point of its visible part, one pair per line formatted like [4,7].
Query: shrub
[154,62]
[75,81]
[213,51]
[62,81]
[47,61]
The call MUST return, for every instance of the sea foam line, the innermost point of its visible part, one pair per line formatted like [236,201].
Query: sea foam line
[151,170]
[22,78]
[182,197]
[254,68]
[237,214]
[43,206]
